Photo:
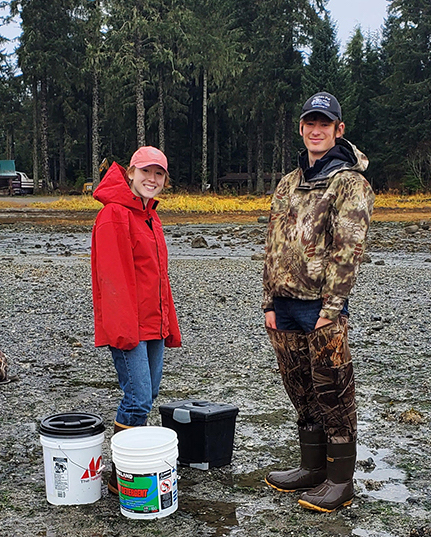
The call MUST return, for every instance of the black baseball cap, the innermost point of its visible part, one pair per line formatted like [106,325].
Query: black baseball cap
[324,103]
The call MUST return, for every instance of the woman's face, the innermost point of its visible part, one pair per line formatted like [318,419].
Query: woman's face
[148,182]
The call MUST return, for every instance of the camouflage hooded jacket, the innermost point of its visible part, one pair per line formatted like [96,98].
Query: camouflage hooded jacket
[317,231]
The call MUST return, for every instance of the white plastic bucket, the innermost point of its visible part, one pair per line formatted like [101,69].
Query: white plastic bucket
[146,463]
[72,454]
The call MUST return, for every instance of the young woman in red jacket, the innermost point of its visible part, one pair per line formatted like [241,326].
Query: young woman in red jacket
[134,312]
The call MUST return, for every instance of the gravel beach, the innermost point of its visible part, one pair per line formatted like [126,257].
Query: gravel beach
[47,333]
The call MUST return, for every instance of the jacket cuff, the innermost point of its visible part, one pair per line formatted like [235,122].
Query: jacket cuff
[332,315]
[173,341]
[331,307]
[267,302]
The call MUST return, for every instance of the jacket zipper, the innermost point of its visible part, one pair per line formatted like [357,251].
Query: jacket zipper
[149,222]
[160,278]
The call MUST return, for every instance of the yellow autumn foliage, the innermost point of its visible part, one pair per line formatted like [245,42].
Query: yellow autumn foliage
[394,200]
[211,203]
[177,203]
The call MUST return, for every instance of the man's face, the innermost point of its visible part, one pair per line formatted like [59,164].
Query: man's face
[319,133]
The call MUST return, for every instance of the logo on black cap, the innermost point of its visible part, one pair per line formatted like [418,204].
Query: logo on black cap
[322,102]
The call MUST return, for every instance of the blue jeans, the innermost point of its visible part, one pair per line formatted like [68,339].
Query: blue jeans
[139,375]
[295,314]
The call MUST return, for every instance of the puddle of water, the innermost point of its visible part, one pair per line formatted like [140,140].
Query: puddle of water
[218,515]
[400,259]
[275,418]
[359,532]
[60,244]
[252,481]
[45,244]
[382,481]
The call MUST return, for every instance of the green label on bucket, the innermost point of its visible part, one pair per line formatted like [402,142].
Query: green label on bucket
[138,493]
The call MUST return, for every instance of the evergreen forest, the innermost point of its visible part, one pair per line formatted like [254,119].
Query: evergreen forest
[218,85]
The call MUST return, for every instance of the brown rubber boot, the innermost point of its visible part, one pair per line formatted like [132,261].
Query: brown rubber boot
[113,483]
[337,489]
[312,470]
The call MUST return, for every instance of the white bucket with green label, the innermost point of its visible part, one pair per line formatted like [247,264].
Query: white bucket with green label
[146,463]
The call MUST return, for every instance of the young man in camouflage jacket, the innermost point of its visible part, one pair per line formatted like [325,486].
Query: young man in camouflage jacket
[320,215]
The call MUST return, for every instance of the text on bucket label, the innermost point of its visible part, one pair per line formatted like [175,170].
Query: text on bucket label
[61,475]
[147,493]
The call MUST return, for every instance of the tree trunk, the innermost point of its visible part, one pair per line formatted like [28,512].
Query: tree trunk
[161,111]
[46,177]
[215,155]
[95,137]
[275,154]
[62,158]
[250,157]
[204,131]
[54,173]
[283,141]
[192,130]
[288,140]
[35,132]
[9,144]
[260,184]
[140,109]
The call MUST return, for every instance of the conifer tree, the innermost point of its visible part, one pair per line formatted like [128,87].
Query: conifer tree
[323,70]
[407,54]
[48,62]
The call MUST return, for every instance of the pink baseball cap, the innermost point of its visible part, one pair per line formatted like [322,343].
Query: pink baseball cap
[149,156]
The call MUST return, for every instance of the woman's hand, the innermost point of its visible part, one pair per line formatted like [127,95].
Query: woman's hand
[270,319]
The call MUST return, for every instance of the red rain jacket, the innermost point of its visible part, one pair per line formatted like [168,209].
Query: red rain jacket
[132,296]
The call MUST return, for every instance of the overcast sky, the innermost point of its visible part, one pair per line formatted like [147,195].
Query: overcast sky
[10,31]
[347,14]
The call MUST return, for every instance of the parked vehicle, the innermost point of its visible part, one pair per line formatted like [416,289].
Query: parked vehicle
[22,184]
[7,175]
[87,188]
[14,183]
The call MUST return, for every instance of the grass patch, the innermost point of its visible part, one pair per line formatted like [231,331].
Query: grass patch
[210,203]
[72,203]
[176,203]
[214,203]
[396,201]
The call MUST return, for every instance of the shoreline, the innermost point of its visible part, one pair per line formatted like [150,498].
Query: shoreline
[59,216]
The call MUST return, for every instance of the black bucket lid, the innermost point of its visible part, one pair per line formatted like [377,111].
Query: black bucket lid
[71,425]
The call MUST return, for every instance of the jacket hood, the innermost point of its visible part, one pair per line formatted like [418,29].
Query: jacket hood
[114,188]
[343,156]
